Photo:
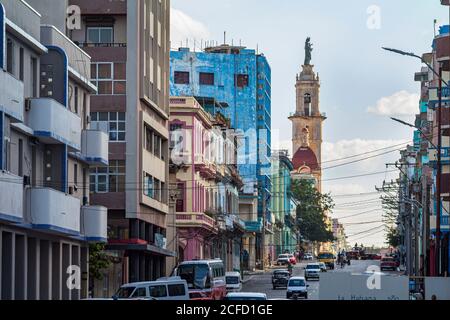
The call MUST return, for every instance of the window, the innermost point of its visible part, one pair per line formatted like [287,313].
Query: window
[140,293]
[176,290]
[10,56]
[110,78]
[148,186]
[154,188]
[181,77]
[75,174]
[21,62]
[34,75]
[148,139]
[158,291]
[241,80]
[100,35]
[112,123]
[108,179]
[21,157]
[307,101]
[206,78]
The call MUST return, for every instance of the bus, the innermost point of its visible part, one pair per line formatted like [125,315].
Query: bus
[205,278]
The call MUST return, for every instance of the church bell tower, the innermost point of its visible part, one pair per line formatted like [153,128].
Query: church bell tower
[307,122]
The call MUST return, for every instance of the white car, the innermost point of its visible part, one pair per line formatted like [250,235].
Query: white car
[245,296]
[312,271]
[297,287]
[233,281]
[173,288]
[308,256]
[283,259]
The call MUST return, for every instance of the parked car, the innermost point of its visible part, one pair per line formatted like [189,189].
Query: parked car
[173,288]
[245,296]
[312,271]
[377,256]
[233,281]
[308,256]
[283,259]
[280,278]
[323,266]
[297,287]
[199,296]
[388,263]
[292,259]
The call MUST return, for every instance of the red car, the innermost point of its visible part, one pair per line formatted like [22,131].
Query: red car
[388,263]
[199,296]
[376,257]
[292,259]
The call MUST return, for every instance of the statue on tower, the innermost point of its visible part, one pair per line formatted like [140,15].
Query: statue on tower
[308,51]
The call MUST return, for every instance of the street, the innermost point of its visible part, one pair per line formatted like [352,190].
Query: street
[262,282]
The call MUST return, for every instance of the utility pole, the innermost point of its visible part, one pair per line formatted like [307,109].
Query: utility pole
[438,178]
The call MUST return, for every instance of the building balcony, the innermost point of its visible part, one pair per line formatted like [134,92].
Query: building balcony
[195,220]
[94,223]
[12,98]
[23,16]
[101,7]
[53,211]
[54,124]
[444,223]
[11,199]
[95,147]
[78,60]
[253,226]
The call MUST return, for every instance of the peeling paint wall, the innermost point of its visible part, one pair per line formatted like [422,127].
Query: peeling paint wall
[249,107]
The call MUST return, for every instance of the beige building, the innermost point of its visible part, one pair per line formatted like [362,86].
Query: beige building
[129,45]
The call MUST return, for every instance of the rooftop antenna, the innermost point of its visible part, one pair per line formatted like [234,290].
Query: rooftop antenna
[232,42]
[224,37]
[240,42]
[194,44]
[201,45]
[434,26]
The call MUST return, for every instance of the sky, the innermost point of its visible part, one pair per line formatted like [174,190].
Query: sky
[361,85]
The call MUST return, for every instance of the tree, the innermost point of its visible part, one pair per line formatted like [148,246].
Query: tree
[393,237]
[311,211]
[98,260]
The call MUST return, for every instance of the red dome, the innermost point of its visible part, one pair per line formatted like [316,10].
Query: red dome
[305,157]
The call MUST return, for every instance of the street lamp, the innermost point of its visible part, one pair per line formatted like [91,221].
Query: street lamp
[417,128]
[439,155]
[410,54]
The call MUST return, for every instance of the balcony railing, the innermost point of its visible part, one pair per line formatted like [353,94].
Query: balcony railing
[195,220]
[54,124]
[444,222]
[11,197]
[95,147]
[94,223]
[102,45]
[52,210]
[12,97]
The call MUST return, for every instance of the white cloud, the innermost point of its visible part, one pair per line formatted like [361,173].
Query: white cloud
[400,103]
[185,27]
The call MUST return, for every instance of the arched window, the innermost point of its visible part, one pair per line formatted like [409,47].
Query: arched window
[307,104]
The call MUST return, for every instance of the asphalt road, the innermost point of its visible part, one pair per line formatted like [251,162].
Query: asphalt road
[263,282]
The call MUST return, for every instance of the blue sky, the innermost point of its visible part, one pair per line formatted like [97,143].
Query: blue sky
[355,73]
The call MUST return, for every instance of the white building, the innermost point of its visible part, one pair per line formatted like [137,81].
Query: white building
[46,149]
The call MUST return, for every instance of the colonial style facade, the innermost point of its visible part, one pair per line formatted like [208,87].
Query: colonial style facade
[204,172]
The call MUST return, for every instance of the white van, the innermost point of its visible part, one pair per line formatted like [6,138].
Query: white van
[233,281]
[173,288]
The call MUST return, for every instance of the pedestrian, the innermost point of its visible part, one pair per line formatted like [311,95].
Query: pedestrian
[433,297]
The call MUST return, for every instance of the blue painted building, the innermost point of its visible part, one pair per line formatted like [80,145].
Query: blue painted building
[236,82]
